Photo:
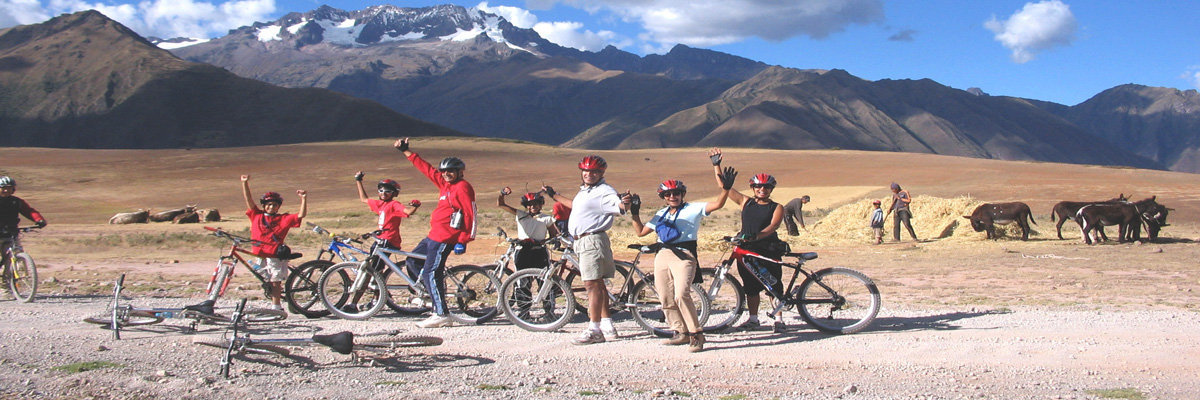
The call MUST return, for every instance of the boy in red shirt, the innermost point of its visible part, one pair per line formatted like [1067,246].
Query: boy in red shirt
[270,227]
[451,226]
[390,212]
[12,208]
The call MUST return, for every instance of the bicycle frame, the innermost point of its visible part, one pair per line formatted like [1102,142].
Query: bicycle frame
[232,258]
[381,254]
[339,246]
[12,247]
[786,298]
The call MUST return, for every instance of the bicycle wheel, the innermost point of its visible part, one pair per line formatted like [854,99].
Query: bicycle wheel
[133,318]
[220,278]
[23,280]
[614,287]
[264,315]
[838,300]
[471,294]
[517,295]
[647,307]
[301,292]
[362,303]
[402,298]
[252,348]
[391,342]
[727,301]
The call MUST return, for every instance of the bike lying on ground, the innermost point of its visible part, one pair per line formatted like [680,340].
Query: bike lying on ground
[19,269]
[832,300]
[359,290]
[301,286]
[240,343]
[118,316]
[541,300]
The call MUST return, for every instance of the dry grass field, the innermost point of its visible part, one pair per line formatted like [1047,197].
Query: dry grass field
[79,189]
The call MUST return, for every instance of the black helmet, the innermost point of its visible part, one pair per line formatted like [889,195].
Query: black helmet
[269,197]
[451,163]
[532,198]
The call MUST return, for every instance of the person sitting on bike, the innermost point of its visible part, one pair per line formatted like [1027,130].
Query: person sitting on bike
[533,228]
[452,226]
[761,217]
[12,208]
[390,212]
[269,227]
[675,264]
[592,212]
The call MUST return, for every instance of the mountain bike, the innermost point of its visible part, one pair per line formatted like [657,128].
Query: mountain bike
[540,299]
[301,284]
[118,316]
[19,269]
[227,264]
[360,289]
[240,343]
[832,300]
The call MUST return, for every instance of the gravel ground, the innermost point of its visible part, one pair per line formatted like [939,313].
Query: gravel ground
[1035,353]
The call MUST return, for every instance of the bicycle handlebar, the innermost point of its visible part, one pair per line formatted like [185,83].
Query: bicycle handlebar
[218,232]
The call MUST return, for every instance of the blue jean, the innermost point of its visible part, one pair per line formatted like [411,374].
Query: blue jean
[432,274]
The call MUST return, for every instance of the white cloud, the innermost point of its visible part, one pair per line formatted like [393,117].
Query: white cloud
[572,34]
[517,16]
[1036,27]
[1192,76]
[162,18]
[714,22]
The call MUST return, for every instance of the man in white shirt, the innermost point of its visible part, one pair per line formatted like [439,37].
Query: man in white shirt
[592,212]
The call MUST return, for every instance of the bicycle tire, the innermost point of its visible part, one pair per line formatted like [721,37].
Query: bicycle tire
[368,302]
[550,315]
[220,278]
[472,294]
[620,276]
[855,301]
[391,342]
[727,305]
[258,315]
[300,290]
[135,318]
[647,307]
[23,277]
[402,298]
[252,348]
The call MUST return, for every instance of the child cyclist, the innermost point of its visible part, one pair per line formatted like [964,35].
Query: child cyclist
[451,227]
[269,228]
[390,212]
[11,210]
[533,228]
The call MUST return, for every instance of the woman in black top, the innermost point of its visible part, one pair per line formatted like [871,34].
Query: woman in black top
[761,217]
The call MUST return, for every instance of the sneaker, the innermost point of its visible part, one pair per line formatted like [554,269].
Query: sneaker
[779,327]
[350,309]
[749,325]
[436,321]
[697,343]
[589,336]
[610,333]
[277,307]
[678,339]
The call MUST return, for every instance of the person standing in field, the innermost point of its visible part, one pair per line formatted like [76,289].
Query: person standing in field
[900,204]
[794,212]
[877,222]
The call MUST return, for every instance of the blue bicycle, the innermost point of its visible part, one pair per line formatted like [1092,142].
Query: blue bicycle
[304,298]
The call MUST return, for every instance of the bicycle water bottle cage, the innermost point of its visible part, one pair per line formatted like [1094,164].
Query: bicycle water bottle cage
[341,342]
[204,307]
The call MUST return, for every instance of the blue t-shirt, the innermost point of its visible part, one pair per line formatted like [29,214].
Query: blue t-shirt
[686,220]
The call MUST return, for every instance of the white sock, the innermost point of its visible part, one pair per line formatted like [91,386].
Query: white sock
[606,323]
[752,318]
[595,326]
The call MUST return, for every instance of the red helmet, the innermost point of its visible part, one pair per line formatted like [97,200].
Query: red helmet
[270,197]
[763,179]
[593,162]
[389,185]
[671,185]
[531,198]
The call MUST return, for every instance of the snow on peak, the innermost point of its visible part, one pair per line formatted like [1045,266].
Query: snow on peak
[388,23]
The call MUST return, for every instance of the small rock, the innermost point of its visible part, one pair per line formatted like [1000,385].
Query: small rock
[162,373]
[101,348]
[852,389]
[658,392]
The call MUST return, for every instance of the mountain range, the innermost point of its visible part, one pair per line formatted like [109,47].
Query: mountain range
[476,73]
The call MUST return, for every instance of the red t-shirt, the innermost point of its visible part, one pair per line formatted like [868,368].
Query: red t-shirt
[269,229]
[451,196]
[561,212]
[390,215]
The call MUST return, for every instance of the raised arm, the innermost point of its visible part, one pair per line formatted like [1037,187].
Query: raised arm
[303,204]
[557,197]
[500,201]
[633,203]
[246,193]
[725,179]
[362,191]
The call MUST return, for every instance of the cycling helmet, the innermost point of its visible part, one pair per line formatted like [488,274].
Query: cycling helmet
[452,163]
[6,181]
[593,162]
[532,198]
[389,185]
[763,179]
[271,197]
[671,185]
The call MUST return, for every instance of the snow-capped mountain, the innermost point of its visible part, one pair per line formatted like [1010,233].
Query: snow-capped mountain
[174,43]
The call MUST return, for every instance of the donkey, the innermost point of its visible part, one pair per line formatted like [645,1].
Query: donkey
[1067,209]
[988,215]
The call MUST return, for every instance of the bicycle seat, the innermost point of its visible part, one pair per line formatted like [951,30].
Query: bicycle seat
[341,342]
[804,256]
[204,307]
[293,256]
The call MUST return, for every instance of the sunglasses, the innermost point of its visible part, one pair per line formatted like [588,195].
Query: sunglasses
[670,193]
[759,186]
[382,191]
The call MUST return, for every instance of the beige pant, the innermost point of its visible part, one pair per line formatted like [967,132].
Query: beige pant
[673,281]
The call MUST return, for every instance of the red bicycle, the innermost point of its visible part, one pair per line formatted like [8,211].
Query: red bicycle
[228,263]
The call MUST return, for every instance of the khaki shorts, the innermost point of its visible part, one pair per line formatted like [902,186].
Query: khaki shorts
[274,269]
[595,257]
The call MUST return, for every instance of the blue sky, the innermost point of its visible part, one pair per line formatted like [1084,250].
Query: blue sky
[1063,51]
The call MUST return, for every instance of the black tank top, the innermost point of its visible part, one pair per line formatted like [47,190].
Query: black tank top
[756,217]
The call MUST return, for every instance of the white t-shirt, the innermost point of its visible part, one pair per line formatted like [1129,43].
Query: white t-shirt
[533,226]
[686,220]
[593,209]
